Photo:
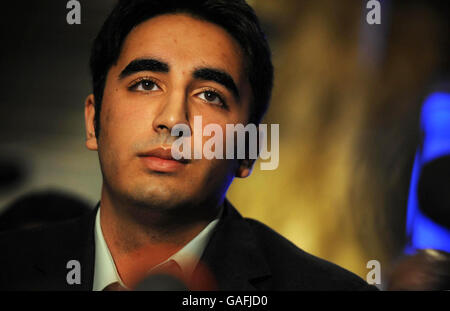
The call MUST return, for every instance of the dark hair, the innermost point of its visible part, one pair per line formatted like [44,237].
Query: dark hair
[235,16]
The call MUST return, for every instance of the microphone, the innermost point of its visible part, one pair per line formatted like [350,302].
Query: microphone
[161,282]
[167,277]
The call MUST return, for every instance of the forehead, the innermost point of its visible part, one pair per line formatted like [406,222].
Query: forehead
[184,42]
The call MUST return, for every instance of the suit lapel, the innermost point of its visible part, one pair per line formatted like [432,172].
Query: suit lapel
[73,240]
[233,255]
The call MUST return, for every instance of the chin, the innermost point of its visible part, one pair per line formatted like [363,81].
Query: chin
[157,198]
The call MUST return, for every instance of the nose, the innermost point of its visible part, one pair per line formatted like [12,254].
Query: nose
[173,111]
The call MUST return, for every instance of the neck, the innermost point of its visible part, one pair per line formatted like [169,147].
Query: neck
[140,238]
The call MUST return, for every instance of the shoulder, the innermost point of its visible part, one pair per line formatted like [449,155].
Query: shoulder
[52,236]
[22,254]
[292,268]
[21,244]
[30,257]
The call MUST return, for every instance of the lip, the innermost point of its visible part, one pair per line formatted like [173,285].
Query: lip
[160,160]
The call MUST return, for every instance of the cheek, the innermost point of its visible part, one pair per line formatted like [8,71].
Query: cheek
[116,134]
[237,114]
[125,121]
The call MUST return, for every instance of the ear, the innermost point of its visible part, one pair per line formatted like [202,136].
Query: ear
[246,165]
[89,113]
[245,168]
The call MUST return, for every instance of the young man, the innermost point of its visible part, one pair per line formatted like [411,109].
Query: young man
[158,64]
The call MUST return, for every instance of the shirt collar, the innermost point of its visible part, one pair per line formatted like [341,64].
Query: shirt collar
[105,271]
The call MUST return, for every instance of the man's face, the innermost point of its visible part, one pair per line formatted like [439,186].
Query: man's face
[171,68]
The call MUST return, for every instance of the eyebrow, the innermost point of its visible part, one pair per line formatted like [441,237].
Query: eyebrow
[219,76]
[207,74]
[144,64]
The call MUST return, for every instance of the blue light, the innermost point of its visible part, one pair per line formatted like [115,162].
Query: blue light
[435,122]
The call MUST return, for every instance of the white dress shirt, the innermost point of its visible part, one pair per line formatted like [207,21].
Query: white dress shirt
[105,271]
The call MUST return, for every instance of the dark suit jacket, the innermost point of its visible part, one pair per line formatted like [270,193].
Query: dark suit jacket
[243,254]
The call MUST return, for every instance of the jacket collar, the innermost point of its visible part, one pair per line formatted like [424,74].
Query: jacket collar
[233,256]
[73,240]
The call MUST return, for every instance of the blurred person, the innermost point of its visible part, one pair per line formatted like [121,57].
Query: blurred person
[12,173]
[434,190]
[156,64]
[41,208]
[426,270]
[428,215]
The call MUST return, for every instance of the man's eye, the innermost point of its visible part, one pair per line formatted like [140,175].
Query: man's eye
[211,97]
[144,85]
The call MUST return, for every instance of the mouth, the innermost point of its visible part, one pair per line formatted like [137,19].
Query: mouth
[161,160]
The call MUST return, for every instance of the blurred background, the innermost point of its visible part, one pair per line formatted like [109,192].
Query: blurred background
[348,97]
